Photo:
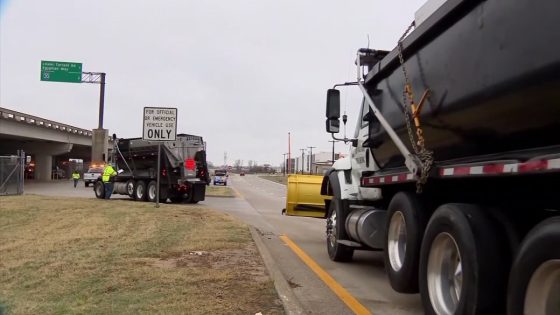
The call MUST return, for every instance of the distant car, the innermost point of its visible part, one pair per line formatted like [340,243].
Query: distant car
[92,175]
[242,174]
[220,177]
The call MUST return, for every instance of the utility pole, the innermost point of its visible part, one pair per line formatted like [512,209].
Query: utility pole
[289,153]
[333,141]
[284,169]
[302,160]
[311,160]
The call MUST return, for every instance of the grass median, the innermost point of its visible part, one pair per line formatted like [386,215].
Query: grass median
[88,256]
[219,191]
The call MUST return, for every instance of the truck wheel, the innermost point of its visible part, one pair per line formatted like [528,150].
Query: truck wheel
[152,191]
[336,231]
[140,190]
[463,263]
[130,188]
[99,189]
[87,184]
[406,222]
[534,283]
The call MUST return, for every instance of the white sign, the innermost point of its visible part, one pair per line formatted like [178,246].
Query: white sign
[160,124]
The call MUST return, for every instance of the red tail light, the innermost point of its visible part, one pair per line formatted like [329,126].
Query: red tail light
[164,172]
[190,164]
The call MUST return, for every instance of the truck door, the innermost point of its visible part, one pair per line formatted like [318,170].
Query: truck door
[362,158]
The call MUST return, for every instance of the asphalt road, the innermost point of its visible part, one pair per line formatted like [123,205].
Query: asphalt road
[260,203]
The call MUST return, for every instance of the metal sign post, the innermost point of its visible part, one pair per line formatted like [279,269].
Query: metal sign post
[160,124]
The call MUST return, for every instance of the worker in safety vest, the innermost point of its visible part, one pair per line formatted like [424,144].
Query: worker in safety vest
[107,178]
[75,177]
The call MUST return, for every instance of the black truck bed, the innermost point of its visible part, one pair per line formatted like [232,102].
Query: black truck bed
[493,68]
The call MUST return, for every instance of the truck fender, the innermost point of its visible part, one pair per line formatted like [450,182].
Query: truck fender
[335,183]
[344,163]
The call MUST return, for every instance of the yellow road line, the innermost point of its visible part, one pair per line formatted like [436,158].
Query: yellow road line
[344,295]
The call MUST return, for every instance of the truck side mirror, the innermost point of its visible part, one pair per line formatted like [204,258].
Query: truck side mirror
[333,125]
[333,104]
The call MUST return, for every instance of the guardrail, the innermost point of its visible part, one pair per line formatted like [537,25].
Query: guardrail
[41,122]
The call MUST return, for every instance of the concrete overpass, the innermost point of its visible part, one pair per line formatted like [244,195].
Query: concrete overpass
[42,138]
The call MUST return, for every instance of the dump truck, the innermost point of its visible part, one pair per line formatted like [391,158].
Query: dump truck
[183,176]
[454,167]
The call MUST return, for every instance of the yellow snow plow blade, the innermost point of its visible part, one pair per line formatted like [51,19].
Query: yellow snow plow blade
[304,196]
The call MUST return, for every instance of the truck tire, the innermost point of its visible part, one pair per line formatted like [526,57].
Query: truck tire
[151,191]
[336,231]
[463,263]
[406,222]
[534,282]
[130,188]
[99,189]
[140,190]
[86,184]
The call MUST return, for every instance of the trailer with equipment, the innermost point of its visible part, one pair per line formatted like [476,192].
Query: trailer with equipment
[454,169]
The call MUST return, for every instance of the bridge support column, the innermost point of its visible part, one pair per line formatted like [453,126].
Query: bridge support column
[44,158]
[43,166]
[99,146]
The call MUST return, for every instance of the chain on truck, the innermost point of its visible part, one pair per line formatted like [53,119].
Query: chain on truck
[454,169]
[184,171]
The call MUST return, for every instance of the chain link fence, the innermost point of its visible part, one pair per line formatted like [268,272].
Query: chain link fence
[12,174]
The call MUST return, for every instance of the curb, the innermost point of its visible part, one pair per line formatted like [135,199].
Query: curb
[292,305]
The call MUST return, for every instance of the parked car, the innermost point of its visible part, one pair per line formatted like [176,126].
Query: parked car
[92,174]
[220,177]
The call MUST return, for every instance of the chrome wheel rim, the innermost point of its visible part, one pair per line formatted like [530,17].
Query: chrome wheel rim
[331,229]
[396,240]
[130,188]
[445,274]
[99,189]
[543,292]
[140,191]
[152,192]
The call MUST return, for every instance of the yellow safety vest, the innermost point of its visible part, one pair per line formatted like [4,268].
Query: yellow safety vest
[76,175]
[107,173]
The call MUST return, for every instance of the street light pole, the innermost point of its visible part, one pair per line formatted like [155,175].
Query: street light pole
[302,160]
[311,160]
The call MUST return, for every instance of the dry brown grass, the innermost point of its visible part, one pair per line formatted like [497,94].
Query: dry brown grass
[84,256]
[219,191]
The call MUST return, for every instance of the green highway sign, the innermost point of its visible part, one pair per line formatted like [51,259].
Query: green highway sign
[60,71]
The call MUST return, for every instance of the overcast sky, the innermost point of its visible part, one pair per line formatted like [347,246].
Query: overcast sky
[241,73]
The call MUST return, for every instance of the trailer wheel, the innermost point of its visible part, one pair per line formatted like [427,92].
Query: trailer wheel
[99,189]
[406,222]
[336,231]
[534,283]
[130,188]
[152,191]
[463,263]
[140,190]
